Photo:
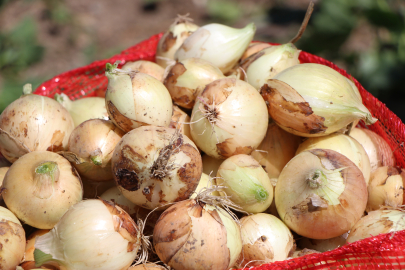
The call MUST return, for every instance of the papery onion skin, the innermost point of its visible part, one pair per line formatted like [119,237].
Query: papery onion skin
[229,118]
[180,120]
[377,222]
[41,202]
[320,194]
[195,235]
[34,123]
[150,178]
[93,143]
[265,239]
[146,67]
[254,47]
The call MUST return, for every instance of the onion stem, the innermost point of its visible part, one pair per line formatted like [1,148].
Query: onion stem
[27,89]
[41,257]
[316,179]
[96,160]
[46,174]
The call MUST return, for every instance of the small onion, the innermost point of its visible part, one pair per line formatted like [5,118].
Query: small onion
[40,187]
[12,240]
[322,245]
[33,123]
[83,109]
[196,235]
[91,146]
[180,120]
[246,182]
[146,67]
[386,188]
[253,48]
[265,239]
[229,118]
[93,234]
[135,99]
[377,222]
[320,194]
[153,166]
[378,150]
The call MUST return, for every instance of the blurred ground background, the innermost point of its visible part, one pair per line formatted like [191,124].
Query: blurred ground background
[42,38]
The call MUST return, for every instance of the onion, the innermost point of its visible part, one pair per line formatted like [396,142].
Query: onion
[135,99]
[91,147]
[146,67]
[344,145]
[323,245]
[377,222]
[93,234]
[180,120]
[194,235]
[229,118]
[265,239]
[33,123]
[83,109]
[153,166]
[386,188]
[320,194]
[114,195]
[40,187]
[30,265]
[206,182]
[378,150]
[12,240]
[30,245]
[253,48]
[210,165]
[147,266]
[186,80]
[3,171]
[246,183]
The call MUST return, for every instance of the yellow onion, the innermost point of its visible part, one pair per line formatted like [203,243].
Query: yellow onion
[40,187]
[3,171]
[91,146]
[320,194]
[146,67]
[246,183]
[386,188]
[229,118]
[114,195]
[267,63]
[186,80]
[221,45]
[180,120]
[265,239]
[153,166]
[276,150]
[147,266]
[93,234]
[253,48]
[322,245]
[12,240]
[174,37]
[377,149]
[210,165]
[313,100]
[194,235]
[30,245]
[344,145]
[83,109]
[135,99]
[92,189]
[377,222]
[33,123]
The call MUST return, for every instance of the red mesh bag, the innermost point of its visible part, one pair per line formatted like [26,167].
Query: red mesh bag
[386,251]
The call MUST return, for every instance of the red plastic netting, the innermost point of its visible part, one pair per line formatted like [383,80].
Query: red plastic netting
[381,252]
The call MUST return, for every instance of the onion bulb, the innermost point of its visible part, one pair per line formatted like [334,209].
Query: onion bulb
[221,45]
[181,121]
[313,100]
[186,80]
[30,265]
[83,109]
[30,245]
[114,195]
[3,171]
[253,48]
[344,145]
[377,222]
[265,239]
[246,183]
[135,99]
[153,166]
[91,146]
[147,266]
[93,234]
[146,67]
[229,118]
[207,183]
[12,240]
[33,123]
[322,245]
[386,188]
[377,149]
[320,194]
[40,187]
[174,37]
[194,235]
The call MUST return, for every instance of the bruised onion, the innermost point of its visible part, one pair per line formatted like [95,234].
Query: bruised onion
[320,194]
[181,121]
[229,118]
[146,67]
[153,166]
[33,123]
[40,187]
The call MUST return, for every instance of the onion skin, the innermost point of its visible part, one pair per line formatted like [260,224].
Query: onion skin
[180,120]
[254,47]
[147,266]
[30,246]
[34,123]
[146,67]
[192,235]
